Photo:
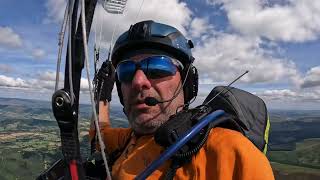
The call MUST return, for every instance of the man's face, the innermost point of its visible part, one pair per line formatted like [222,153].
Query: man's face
[146,119]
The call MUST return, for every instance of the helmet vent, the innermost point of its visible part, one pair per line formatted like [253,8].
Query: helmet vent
[139,31]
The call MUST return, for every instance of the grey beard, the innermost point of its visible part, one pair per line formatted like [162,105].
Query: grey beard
[152,125]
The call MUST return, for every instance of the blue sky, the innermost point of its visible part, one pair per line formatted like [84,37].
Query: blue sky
[278,41]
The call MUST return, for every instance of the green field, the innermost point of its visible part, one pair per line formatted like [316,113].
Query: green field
[291,172]
[306,154]
[301,163]
[25,156]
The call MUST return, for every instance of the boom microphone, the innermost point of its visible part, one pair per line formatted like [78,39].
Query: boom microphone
[151,101]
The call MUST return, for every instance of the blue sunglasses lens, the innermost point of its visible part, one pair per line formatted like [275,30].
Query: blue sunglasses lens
[158,67]
[154,67]
[126,71]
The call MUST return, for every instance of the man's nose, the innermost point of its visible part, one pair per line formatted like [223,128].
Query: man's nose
[140,81]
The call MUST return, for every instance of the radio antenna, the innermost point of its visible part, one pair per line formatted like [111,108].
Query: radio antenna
[227,86]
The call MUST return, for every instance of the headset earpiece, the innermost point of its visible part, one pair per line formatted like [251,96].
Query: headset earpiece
[190,88]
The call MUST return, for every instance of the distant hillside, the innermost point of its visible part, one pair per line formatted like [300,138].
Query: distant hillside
[29,136]
[288,115]
[289,127]
[24,102]
[30,140]
[290,172]
[37,107]
[306,154]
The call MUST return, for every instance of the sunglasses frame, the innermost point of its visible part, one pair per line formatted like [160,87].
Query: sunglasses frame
[138,65]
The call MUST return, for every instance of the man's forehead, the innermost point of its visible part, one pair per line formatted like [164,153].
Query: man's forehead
[143,53]
[139,57]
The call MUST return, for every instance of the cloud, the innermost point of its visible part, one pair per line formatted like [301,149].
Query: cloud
[55,11]
[289,21]
[279,94]
[45,81]
[312,78]
[167,11]
[170,12]
[49,76]
[225,56]
[6,68]
[31,84]
[199,27]
[12,40]
[173,12]
[38,53]
[219,56]
[289,95]
[13,82]
[9,38]
[283,98]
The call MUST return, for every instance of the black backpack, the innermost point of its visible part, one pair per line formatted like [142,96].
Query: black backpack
[245,112]
[249,113]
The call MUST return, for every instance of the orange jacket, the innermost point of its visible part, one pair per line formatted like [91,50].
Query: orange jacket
[227,154]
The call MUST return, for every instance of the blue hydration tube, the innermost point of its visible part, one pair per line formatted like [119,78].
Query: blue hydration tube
[180,142]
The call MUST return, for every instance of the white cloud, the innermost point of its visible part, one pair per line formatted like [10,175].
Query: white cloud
[49,76]
[41,83]
[289,95]
[84,86]
[38,53]
[55,10]
[170,12]
[173,12]
[219,56]
[225,56]
[45,81]
[312,78]
[9,38]
[279,94]
[285,98]
[13,82]
[293,21]
[199,27]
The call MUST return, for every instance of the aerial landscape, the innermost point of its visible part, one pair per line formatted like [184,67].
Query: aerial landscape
[30,140]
